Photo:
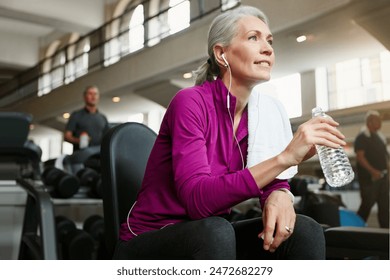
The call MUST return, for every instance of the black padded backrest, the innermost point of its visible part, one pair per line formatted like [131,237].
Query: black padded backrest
[14,128]
[14,145]
[125,150]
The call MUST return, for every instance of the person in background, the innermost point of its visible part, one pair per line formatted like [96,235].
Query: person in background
[197,170]
[372,159]
[87,121]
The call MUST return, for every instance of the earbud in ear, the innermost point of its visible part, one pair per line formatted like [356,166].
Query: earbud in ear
[224,59]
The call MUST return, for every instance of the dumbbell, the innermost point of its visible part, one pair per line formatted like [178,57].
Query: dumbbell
[91,178]
[94,225]
[74,243]
[63,184]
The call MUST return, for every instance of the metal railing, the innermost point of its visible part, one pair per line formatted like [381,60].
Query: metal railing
[32,81]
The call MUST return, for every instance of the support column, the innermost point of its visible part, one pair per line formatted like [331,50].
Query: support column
[308,90]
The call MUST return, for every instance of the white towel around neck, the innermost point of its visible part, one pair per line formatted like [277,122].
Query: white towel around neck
[269,130]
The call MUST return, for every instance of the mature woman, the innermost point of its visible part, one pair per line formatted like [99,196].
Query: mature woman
[198,169]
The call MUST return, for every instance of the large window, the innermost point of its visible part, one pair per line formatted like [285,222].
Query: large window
[288,91]
[385,74]
[57,73]
[136,32]
[178,15]
[111,51]
[124,34]
[45,79]
[81,60]
[131,35]
[44,82]
[359,81]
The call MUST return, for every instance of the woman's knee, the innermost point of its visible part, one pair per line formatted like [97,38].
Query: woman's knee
[216,228]
[310,234]
[308,226]
[214,239]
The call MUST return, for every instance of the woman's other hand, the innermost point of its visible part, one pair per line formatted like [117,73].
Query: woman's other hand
[278,220]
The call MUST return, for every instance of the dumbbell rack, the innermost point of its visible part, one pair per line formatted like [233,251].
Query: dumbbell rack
[78,209]
[39,217]
[20,176]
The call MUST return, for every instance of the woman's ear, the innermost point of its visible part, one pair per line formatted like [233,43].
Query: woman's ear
[219,57]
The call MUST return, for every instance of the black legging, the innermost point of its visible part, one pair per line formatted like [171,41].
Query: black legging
[218,239]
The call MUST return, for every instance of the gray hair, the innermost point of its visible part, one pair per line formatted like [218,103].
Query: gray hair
[89,87]
[222,30]
[370,114]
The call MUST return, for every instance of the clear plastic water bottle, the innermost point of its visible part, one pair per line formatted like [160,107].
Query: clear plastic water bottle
[334,162]
[84,140]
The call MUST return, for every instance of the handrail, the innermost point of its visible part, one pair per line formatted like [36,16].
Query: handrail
[39,212]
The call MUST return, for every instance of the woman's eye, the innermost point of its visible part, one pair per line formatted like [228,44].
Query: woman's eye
[270,42]
[254,38]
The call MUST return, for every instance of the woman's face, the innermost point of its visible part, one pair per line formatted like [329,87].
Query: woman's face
[250,53]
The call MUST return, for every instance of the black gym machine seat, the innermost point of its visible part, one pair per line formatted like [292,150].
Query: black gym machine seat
[38,237]
[357,243]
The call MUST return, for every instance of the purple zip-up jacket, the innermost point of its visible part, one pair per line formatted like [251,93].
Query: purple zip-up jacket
[195,167]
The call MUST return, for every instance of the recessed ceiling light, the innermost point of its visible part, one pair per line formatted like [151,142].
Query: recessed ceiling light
[66,115]
[301,38]
[187,75]
[116,99]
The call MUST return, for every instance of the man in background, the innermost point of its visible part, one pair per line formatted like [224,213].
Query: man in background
[87,121]
[373,169]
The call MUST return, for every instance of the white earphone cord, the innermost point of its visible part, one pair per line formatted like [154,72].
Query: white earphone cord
[128,224]
[128,215]
[230,115]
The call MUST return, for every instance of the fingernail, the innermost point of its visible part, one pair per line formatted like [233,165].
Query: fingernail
[262,236]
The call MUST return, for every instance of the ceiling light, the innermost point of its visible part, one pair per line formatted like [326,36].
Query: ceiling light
[116,99]
[66,115]
[187,75]
[301,38]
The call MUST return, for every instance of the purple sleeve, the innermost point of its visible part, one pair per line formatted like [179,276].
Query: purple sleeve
[268,189]
[202,193]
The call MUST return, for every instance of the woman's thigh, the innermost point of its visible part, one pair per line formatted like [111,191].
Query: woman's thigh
[209,238]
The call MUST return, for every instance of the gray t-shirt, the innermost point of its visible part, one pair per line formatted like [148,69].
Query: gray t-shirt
[95,124]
